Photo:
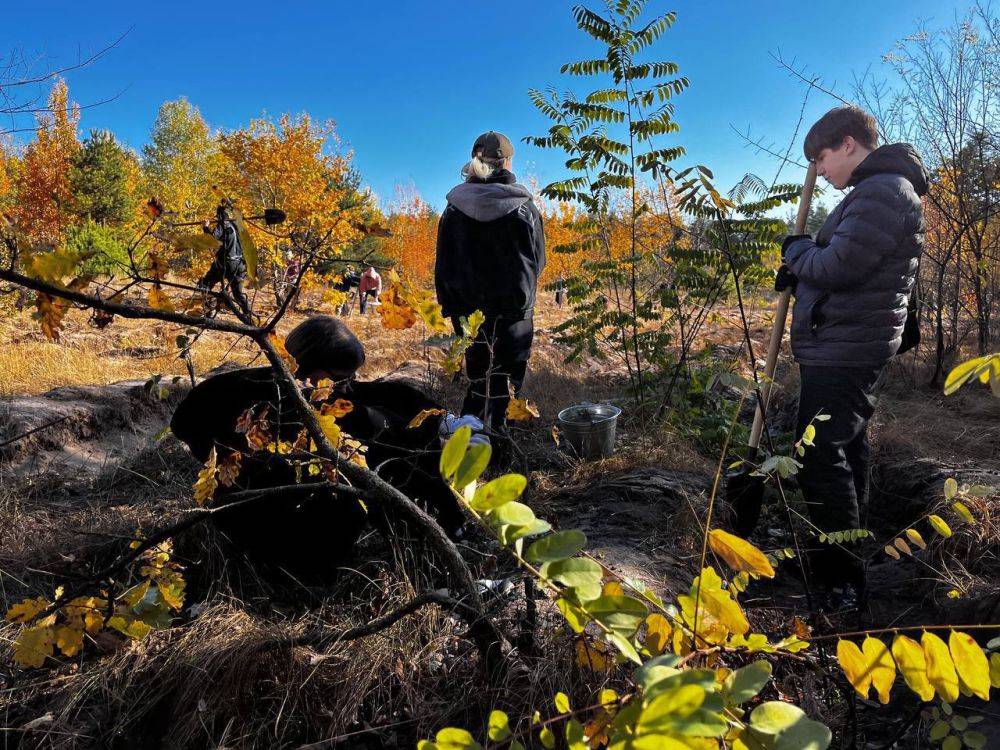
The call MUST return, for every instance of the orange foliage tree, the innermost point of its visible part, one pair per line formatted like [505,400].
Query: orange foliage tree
[286,164]
[44,202]
[295,164]
[413,223]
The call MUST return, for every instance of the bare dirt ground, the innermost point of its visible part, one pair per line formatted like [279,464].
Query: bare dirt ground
[76,490]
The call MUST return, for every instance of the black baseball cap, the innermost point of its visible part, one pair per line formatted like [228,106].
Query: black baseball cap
[493,145]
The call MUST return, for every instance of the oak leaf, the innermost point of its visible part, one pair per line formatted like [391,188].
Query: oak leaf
[521,409]
[206,484]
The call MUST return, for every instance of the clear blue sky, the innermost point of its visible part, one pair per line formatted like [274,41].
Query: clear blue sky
[411,84]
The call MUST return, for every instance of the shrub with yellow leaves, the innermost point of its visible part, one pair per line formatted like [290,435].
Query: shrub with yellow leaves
[61,624]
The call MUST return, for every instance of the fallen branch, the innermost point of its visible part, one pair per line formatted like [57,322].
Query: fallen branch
[32,431]
[323,637]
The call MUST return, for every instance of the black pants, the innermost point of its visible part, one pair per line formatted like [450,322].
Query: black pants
[496,364]
[834,473]
[228,276]
[364,299]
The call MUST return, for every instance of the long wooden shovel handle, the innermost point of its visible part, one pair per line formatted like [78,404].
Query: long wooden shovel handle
[780,315]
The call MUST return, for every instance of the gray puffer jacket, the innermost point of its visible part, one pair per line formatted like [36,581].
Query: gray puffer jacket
[855,279]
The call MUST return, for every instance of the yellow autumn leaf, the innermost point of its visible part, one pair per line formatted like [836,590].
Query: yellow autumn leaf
[521,409]
[339,408]
[970,663]
[396,314]
[879,663]
[963,512]
[981,367]
[475,321]
[328,423]
[159,300]
[939,525]
[173,594]
[205,485]
[658,631]
[594,656]
[88,610]
[135,594]
[27,609]
[716,602]
[912,663]
[995,670]
[135,629]
[451,362]
[322,390]
[612,588]
[278,342]
[69,639]
[950,488]
[739,554]
[430,313]
[914,536]
[422,417]
[33,645]
[852,661]
[940,668]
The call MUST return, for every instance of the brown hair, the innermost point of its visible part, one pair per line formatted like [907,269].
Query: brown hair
[832,128]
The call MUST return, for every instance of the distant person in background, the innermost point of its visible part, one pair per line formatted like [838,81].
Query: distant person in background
[561,291]
[349,280]
[370,286]
[293,267]
[490,253]
[229,267]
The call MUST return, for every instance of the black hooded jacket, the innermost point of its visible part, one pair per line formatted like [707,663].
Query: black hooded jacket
[854,280]
[490,249]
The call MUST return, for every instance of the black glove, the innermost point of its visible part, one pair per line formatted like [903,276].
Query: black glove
[785,279]
[789,240]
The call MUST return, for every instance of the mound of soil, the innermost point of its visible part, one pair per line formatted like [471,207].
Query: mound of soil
[77,431]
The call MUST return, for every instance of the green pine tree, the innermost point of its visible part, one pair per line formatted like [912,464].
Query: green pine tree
[100,179]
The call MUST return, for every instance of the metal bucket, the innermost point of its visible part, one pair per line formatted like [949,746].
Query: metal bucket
[590,429]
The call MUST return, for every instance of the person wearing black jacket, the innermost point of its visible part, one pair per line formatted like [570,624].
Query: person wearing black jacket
[852,285]
[229,267]
[311,535]
[490,253]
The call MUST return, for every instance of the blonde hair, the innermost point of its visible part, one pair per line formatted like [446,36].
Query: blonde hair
[481,167]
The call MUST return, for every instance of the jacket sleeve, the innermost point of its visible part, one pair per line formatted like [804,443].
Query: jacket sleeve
[441,259]
[538,240]
[869,229]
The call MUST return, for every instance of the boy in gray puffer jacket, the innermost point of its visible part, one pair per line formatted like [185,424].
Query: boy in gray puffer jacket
[852,285]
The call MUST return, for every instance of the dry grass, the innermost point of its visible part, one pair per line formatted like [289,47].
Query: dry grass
[136,350]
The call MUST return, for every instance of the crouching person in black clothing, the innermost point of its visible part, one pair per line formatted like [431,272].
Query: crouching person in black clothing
[248,411]
[490,253]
